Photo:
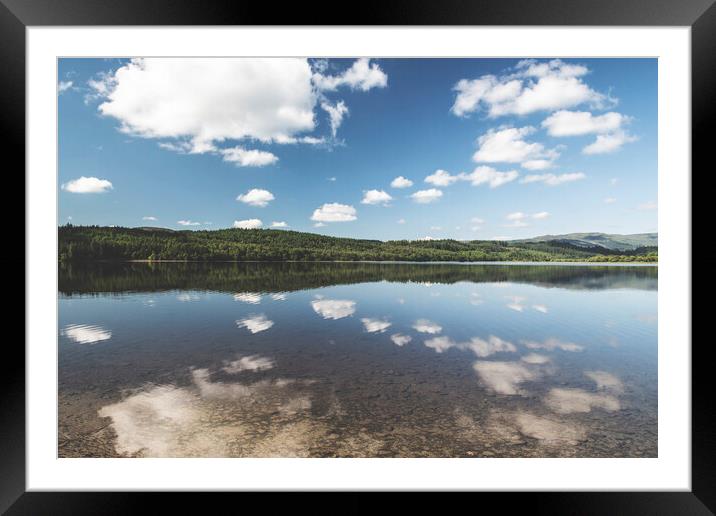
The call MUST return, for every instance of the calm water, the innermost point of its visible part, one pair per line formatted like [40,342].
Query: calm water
[357,360]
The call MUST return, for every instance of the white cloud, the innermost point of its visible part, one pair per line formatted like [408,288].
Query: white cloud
[441,178]
[537,164]
[609,200]
[488,175]
[401,221]
[255,323]
[607,143]
[83,185]
[553,179]
[519,219]
[256,197]
[188,223]
[318,225]
[531,86]
[648,206]
[375,325]
[427,196]
[400,340]
[63,86]
[334,212]
[508,145]
[204,100]
[248,224]
[480,347]
[335,114]
[149,217]
[86,333]
[401,182]
[334,308]
[362,75]
[376,197]
[540,215]
[576,123]
[427,326]
[279,224]
[248,158]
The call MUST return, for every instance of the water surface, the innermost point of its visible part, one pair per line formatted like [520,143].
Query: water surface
[357,360]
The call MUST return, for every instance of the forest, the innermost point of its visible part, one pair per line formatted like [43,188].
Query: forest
[99,243]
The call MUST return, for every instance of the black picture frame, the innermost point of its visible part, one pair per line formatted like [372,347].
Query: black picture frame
[17,15]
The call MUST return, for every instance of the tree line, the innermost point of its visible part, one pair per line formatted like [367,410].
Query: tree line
[99,243]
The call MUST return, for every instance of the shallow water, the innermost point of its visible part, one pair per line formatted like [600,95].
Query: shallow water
[357,360]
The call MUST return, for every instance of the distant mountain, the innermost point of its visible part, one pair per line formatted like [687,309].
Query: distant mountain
[615,242]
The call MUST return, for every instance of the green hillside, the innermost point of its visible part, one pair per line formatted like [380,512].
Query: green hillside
[95,243]
[616,242]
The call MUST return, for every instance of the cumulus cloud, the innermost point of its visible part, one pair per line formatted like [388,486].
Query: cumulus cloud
[256,197]
[188,223]
[204,100]
[248,158]
[427,326]
[427,196]
[490,176]
[608,143]
[149,217]
[401,182]
[336,113]
[375,325]
[553,179]
[63,86]
[279,224]
[441,178]
[376,197]
[577,123]
[248,224]
[508,145]
[400,339]
[362,75]
[255,323]
[86,333]
[84,185]
[334,308]
[529,87]
[334,212]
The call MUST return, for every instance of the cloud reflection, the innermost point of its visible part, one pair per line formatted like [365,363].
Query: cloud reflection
[86,333]
[255,323]
[568,401]
[427,326]
[400,340]
[504,377]
[248,363]
[375,325]
[606,381]
[248,297]
[480,347]
[552,344]
[334,308]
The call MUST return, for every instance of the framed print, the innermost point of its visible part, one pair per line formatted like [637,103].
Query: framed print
[432,248]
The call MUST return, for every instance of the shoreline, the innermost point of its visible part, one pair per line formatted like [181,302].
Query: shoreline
[398,262]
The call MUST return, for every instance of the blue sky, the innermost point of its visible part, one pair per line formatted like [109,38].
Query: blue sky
[491,148]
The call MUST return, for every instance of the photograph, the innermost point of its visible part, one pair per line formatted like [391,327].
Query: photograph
[357,257]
